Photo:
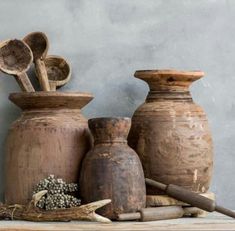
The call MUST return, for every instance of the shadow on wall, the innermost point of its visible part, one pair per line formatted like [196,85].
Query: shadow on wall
[9,113]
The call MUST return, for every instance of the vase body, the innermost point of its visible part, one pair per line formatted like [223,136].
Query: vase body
[50,137]
[170,132]
[112,170]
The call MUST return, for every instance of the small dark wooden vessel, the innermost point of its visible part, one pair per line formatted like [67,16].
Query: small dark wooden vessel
[112,170]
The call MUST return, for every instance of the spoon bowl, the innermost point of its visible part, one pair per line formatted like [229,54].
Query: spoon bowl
[58,71]
[15,59]
[39,44]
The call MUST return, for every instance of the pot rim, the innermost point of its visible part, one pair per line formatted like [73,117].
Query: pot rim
[42,99]
[149,74]
[110,118]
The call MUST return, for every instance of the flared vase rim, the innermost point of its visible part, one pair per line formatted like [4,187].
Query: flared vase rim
[194,75]
[49,99]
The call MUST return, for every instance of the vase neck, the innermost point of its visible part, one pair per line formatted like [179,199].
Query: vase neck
[45,111]
[168,95]
[109,130]
[110,141]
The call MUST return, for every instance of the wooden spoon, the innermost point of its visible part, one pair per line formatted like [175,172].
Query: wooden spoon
[15,59]
[39,45]
[58,71]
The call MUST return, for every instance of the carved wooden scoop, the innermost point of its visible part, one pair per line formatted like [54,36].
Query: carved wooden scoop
[39,45]
[15,59]
[58,71]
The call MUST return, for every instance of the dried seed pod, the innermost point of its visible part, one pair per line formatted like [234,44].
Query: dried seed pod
[56,196]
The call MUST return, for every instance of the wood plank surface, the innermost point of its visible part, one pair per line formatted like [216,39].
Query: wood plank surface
[212,222]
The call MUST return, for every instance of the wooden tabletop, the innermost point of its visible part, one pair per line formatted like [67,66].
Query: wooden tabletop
[213,221]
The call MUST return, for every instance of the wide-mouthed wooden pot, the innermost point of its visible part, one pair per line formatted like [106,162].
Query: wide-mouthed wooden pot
[112,170]
[170,132]
[50,137]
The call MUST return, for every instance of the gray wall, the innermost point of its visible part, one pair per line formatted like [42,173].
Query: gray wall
[106,41]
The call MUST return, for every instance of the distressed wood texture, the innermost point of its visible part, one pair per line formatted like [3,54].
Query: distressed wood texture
[164,200]
[170,132]
[15,59]
[212,222]
[194,199]
[39,44]
[112,169]
[162,213]
[50,137]
[58,70]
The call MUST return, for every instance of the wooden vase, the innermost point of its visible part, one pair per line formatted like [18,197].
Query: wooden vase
[170,132]
[50,137]
[112,170]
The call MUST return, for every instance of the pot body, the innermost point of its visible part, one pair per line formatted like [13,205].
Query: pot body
[112,170]
[46,139]
[171,135]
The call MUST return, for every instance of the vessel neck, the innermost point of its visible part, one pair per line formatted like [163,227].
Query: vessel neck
[52,111]
[155,95]
[110,142]
[110,130]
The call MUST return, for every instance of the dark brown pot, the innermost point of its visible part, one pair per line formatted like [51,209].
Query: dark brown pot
[50,137]
[170,132]
[112,170]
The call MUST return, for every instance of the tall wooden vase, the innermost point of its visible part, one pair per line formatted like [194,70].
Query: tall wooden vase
[170,132]
[50,137]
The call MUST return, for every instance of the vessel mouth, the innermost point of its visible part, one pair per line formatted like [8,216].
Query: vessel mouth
[42,100]
[110,129]
[170,75]
[170,72]
[118,118]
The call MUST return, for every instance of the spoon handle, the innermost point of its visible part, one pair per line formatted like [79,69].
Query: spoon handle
[42,74]
[52,85]
[24,82]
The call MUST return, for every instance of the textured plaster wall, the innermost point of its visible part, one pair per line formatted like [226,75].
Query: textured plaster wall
[106,41]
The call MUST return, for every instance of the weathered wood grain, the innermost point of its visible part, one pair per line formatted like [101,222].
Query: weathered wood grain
[212,222]
[50,137]
[164,200]
[112,169]
[58,70]
[15,59]
[170,133]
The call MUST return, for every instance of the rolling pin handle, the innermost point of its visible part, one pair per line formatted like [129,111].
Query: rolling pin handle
[225,211]
[129,216]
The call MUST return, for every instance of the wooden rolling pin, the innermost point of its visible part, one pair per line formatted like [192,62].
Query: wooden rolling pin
[191,198]
[158,213]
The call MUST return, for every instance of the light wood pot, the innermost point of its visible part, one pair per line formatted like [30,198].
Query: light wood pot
[170,132]
[50,137]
